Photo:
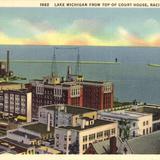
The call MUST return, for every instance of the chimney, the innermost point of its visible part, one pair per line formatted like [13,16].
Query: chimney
[69,72]
[7,62]
[113,146]
[26,136]
[48,122]
[83,121]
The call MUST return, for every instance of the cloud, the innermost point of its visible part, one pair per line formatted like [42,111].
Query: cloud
[151,22]
[132,39]
[81,32]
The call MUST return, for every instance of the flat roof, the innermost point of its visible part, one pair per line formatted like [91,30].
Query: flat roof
[147,144]
[8,83]
[95,82]
[14,145]
[49,150]
[23,134]
[97,123]
[123,115]
[38,128]
[72,109]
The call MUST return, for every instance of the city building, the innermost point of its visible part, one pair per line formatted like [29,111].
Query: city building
[64,115]
[136,123]
[17,103]
[44,93]
[76,139]
[98,95]
[150,109]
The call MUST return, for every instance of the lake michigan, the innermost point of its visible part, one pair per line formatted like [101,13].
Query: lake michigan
[132,77]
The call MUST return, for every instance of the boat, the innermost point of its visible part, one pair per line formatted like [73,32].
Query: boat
[154,65]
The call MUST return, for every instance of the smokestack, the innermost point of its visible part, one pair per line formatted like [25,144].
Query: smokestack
[69,72]
[7,62]
[48,122]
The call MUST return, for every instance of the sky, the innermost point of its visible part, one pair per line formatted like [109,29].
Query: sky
[83,26]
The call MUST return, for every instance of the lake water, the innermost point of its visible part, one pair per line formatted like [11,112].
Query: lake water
[132,78]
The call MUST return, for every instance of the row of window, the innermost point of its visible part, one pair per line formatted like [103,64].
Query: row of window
[105,133]
[145,123]
[147,131]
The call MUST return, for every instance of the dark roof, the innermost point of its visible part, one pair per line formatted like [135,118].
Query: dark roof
[72,109]
[154,111]
[11,141]
[97,122]
[102,147]
[89,81]
[148,144]
[38,128]
[23,134]
[15,147]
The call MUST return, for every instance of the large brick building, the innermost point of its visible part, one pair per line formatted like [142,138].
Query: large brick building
[98,95]
[91,94]
[62,93]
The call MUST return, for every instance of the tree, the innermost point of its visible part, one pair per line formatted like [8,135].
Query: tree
[124,129]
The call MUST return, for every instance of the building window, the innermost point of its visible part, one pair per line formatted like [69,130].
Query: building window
[143,131]
[84,147]
[84,138]
[134,134]
[147,131]
[150,129]
[144,123]
[65,137]
[134,124]
[91,137]
[99,134]
[65,146]
[107,133]
[113,131]
[57,136]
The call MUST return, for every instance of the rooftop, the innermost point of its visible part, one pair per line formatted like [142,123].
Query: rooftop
[124,115]
[95,82]
[49,150]
[154,111]
[102,147]
[97,123]
[23,134]
[71,109]
[8,83]
[148,144]
[38,128]
[14,146]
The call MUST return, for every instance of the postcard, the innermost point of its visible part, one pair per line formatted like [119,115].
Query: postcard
[79,78]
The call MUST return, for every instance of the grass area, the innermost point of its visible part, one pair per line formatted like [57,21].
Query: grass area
[120,104]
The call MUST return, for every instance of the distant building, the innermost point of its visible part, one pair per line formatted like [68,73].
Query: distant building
[98,95]
[64,115]
[137,123]
[16,102]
